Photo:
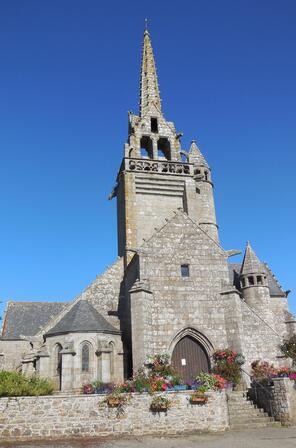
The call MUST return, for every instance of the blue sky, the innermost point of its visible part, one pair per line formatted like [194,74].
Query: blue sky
[69,74]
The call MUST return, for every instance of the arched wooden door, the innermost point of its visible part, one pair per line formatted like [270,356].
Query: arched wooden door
[189,358]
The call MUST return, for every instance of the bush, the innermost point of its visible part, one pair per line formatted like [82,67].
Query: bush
[262,370]
[289,348]
[210,381]
[14,384]
[227,364]
[230,371]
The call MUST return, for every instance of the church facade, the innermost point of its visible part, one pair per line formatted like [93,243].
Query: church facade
[173,288]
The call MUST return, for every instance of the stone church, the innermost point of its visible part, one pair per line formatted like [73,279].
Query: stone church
[172,289]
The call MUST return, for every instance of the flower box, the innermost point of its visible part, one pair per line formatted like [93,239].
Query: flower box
[113,402]
[158,408]
[180,387]
[198,399]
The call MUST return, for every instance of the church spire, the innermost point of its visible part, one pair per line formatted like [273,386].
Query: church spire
[149,91]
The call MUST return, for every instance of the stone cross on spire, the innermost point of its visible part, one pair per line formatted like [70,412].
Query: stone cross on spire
[149,91]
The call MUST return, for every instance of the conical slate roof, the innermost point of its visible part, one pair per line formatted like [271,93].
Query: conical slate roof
[251,263]
[196,156]
[82,317]
[275,289]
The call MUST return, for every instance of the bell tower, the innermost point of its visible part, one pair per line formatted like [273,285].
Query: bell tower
[157,176]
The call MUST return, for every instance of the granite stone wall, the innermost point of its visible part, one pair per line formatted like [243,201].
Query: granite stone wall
[165,303]
[278,400]
[88,416]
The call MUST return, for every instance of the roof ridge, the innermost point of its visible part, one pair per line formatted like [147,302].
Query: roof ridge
[32,301]
[273,275]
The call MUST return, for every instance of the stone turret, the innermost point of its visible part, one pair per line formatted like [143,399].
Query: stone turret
[204,188]
[253,281]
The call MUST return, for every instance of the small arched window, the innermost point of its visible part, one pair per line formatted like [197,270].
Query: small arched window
[206,175]
[85,358]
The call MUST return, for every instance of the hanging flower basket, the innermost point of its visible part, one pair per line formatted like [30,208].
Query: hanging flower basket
[198,398]
[160,404]
[116,400]
[113,402]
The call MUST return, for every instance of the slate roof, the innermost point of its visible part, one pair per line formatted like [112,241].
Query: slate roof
[82,317]
[196,155]
[251,263]
[274,287]
[26,318]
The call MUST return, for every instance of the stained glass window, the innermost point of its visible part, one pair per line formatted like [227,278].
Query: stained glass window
[85,358]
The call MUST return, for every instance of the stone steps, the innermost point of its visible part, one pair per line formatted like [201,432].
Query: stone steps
[255,425]
[244,414]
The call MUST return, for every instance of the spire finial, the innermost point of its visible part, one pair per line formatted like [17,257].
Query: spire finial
[146,25]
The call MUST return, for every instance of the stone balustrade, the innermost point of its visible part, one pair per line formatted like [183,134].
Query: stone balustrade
[158,166]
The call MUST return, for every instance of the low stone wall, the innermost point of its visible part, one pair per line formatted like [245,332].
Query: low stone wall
[88,416]
[278,400]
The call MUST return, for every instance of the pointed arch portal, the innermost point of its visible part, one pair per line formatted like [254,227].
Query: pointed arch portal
[190,357]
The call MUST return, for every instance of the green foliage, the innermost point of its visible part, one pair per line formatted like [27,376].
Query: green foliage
[229,371]
[262,369]
[207,380]
[175,380]
[289,348]
[159,364]
[227,364]
[14,384]
[202,390]
[97,384]
[141,381]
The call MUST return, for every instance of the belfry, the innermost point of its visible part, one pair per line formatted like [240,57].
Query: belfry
[172,288]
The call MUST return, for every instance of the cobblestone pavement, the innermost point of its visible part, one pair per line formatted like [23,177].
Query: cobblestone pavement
[259,438]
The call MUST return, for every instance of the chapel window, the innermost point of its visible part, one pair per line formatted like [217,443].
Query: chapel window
[185,270]
[85,358]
